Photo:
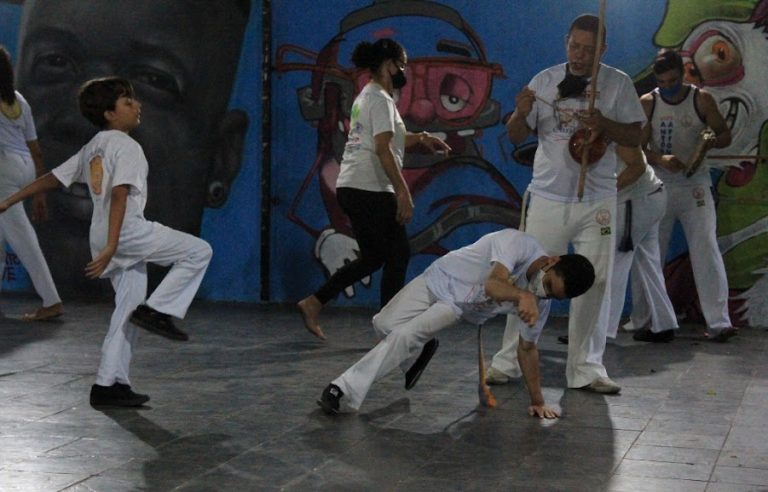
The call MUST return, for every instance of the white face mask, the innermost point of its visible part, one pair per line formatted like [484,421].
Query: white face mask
[536,285]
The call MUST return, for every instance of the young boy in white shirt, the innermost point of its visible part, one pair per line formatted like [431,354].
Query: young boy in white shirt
[122,241]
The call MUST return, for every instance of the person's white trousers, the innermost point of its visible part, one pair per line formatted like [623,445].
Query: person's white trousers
[17,171]
[590,227]
[695,209]
[406,323]
[643,261]
[189,257]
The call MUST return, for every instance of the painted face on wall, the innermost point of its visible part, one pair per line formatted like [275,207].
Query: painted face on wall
[182,81]
[448,94]
[448,90]
[728,60]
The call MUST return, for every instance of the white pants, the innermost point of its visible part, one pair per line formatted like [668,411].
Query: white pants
[695,209]
[590,227]
[189,257]
[16,171]
[644,262]
[407,322]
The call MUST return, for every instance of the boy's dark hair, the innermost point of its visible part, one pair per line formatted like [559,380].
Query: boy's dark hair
[372,55]
[667,60]
[589,23]
[7,94]
[99,95]
[577,273]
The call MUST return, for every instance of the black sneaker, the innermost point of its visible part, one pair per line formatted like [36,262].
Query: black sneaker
[414,373]
[127,392]
[329,400]
[117,395]
[646,335]
[157,322]
[723,335]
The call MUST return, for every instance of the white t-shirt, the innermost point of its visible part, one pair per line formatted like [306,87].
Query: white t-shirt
[373,112]
[458,278]
[555,172]
[14,134]
[122,163]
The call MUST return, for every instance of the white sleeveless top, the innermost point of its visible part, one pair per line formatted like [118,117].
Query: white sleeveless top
[675,130]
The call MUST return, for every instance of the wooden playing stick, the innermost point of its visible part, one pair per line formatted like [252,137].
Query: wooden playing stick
[593,93]
[483,390]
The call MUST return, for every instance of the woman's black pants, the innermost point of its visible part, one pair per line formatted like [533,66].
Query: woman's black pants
[382,241]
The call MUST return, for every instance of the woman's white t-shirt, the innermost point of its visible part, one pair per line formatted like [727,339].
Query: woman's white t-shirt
[14,134]
[373,112]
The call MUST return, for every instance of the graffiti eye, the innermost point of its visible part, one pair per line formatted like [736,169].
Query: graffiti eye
[53,67]
[54,60]
[455,93]
[158,81]
[453,104]
[717,58]
[721,50]
[163,87]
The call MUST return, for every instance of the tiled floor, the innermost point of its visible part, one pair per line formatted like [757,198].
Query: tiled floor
[234,409]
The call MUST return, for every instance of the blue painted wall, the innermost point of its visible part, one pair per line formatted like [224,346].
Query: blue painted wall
[511,40]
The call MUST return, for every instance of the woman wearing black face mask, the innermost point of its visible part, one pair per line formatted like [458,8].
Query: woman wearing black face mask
[370,187]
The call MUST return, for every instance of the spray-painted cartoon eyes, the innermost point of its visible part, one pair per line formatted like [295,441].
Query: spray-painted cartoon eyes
[455,93]
[713,60]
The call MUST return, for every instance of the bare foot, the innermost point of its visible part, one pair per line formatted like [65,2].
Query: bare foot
[310,309]
[44,313]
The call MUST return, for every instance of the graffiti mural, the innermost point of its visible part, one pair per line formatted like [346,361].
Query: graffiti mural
[194,143]
[467,60]
[449,94]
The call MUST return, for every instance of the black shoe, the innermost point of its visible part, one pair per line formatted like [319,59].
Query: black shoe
[414,373]
[117,395]
[724,335]
[646,335]
[329,400]
[157,322]
[563,339]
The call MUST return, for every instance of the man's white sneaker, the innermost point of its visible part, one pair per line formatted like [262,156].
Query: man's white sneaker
[602,385]
[494,376]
